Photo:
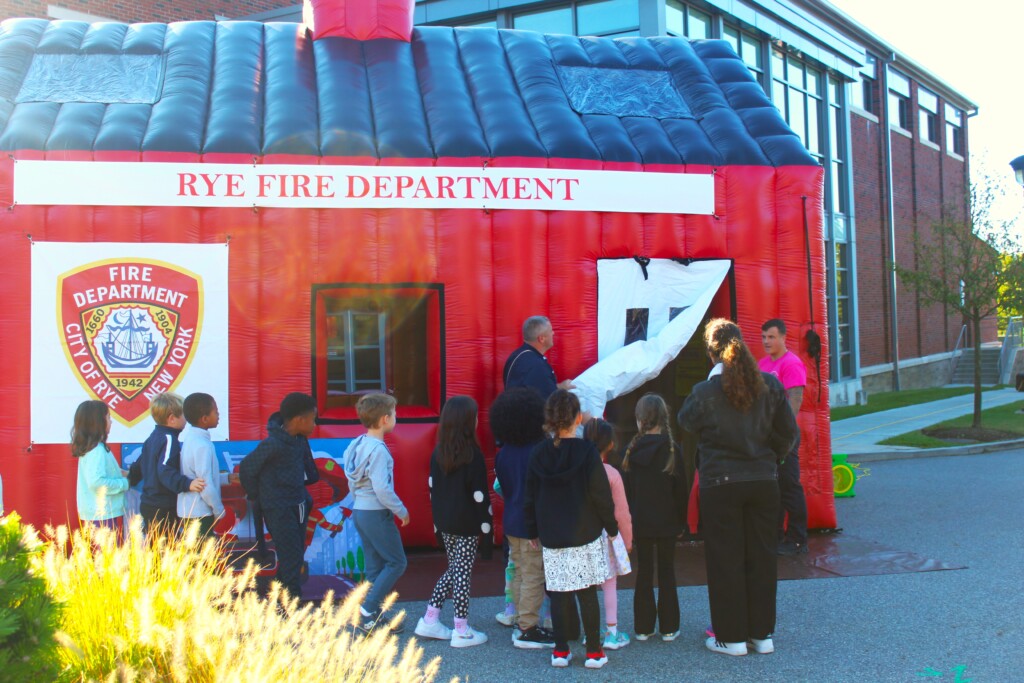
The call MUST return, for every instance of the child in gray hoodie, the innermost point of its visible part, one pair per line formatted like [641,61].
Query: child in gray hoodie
[369,468]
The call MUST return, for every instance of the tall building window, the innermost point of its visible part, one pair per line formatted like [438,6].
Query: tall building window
[862,92]
[796,91]
[553,20]
[683,20]
[954,131]
[609,18]
[928,116]
[748,47]
[837,202]
[899,100]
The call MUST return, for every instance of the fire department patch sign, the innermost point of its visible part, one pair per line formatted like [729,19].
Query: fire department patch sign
[132,321]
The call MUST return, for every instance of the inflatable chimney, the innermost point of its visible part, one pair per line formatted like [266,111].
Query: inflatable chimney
[359,19]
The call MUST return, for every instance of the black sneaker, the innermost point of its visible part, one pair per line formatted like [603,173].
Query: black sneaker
[534,638]
[378,620]
[792,548]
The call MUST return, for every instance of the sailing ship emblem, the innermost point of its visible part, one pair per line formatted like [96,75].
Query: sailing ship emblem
[129,343]
[130,328]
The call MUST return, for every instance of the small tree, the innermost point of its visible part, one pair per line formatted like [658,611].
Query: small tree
[964,266]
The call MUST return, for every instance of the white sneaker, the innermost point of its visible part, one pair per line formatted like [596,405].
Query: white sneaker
[761,647]
[505,619]
[437,630]
[669,637]
[468,639]
[595,660]
[560,660]
[734,649]
[644,636]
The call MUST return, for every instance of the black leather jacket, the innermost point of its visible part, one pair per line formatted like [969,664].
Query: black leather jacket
[734,446]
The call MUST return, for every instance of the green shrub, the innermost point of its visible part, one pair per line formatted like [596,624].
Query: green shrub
[28,615]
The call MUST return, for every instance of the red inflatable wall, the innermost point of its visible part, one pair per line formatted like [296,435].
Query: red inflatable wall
[496,268]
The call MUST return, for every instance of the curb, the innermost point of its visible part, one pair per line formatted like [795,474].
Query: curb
[973,449]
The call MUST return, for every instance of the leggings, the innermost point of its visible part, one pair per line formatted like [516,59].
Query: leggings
[562,609]
[611,600]
[461,551]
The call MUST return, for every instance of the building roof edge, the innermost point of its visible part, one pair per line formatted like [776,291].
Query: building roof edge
[897,58]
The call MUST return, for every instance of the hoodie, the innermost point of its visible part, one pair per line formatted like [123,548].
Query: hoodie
[657,499]
[568,499]
[370,469]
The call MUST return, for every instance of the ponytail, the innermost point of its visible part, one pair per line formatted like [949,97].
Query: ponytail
[742,381]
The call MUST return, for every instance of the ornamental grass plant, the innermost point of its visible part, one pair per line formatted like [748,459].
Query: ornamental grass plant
[170,609]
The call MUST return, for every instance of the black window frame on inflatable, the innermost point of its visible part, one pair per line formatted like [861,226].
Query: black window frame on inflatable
[427,296]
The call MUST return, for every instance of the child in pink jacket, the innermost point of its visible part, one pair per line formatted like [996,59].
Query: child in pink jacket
[603,436]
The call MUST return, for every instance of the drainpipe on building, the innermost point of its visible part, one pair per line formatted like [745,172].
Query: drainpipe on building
[887,132]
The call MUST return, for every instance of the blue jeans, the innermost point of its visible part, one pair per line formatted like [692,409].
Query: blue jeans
[383,552]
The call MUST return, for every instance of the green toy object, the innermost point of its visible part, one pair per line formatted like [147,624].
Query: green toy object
[844,476]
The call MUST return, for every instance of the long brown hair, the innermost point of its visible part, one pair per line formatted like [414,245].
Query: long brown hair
[560,412]
[651,413]
[742,381]
[90,428]
[456,433]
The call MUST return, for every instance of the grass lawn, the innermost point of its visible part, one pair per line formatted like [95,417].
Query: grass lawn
[1003,418]
[900,399]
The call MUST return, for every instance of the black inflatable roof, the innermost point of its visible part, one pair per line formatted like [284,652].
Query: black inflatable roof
[266,89]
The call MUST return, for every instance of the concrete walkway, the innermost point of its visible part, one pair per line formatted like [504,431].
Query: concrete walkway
[862,434]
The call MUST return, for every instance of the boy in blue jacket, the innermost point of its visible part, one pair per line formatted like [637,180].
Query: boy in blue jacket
[275,475]
[159,465]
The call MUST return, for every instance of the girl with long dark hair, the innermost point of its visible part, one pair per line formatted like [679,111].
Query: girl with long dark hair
[462,511]
[101,481]
[744,427]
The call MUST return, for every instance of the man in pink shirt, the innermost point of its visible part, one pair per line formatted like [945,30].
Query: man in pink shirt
[790,370]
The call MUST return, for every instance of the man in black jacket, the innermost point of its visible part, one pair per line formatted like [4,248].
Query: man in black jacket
[527,366]
[275,475]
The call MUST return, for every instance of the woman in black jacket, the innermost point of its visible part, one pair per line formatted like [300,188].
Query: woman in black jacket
[652,474]
[744,426]
[568,504]
[462,511]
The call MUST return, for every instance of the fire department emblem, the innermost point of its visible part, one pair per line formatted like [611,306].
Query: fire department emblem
[130,328]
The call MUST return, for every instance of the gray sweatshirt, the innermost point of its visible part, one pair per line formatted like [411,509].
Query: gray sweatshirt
[369,468]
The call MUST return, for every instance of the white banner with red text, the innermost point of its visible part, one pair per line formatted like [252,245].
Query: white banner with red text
[98,183]
[121,323]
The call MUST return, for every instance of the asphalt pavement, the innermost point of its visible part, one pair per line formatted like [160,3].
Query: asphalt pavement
[962,626]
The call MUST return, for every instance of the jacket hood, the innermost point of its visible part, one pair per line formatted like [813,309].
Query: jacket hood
[563,462]
[650,450]
[357,457]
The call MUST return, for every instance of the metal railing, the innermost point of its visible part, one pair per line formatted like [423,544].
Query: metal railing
[958,351]
[1012,340]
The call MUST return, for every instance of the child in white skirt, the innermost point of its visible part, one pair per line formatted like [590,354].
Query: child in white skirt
[568,505]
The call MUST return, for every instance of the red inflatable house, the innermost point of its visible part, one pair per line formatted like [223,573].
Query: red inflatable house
[355,205]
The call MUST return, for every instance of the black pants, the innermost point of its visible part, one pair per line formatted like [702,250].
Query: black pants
[166,520]
[644,610]
[286,528]
[739,551]
[563,610]
[791,499]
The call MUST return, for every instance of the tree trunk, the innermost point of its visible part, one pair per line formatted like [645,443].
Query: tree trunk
[976,322]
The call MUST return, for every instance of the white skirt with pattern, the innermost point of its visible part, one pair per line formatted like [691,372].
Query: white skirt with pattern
[572,569]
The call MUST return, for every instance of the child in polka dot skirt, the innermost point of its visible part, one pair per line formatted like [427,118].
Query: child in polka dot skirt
[462,512]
